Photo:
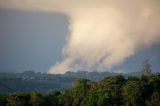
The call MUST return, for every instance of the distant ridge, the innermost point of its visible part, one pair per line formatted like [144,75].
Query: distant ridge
[30,81]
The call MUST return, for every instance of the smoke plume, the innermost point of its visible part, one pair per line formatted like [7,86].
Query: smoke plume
[102,33]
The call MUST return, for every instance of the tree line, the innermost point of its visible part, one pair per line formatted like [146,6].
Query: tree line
[111,91]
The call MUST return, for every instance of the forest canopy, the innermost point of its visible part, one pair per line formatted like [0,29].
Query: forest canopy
[111,91]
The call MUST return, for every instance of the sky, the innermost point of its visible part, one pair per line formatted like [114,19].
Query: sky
[48,36]
[31,40]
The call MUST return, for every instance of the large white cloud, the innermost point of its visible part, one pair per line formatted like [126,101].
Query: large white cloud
[103,33]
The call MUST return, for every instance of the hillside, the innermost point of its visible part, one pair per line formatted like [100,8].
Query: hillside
[44,83]
[110,91]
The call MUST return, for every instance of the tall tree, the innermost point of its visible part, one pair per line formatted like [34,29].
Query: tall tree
[146,70]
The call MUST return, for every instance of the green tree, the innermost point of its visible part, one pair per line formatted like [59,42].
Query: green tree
[90,100]
[36,99]
[154,81]
[155,99]
[66,99]
[18,100]
[132,93]
[80,90]
[112,90]
[52,99]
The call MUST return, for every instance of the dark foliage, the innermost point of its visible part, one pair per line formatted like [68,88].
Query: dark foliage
[111,91]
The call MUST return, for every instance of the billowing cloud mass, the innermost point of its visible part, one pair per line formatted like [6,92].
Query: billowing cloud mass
[102,33]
